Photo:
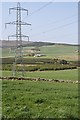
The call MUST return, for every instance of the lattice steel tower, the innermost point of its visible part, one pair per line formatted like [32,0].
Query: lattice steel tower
[18,62]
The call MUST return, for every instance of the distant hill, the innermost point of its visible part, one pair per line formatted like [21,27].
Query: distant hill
[40,44]
[6,43]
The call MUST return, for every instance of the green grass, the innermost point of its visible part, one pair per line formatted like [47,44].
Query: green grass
[61,51]
[57,51]
[0,52]
[0,98]
[61,74]
[6,52]
[27,99]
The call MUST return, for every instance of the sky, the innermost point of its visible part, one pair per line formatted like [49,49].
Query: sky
[51,21]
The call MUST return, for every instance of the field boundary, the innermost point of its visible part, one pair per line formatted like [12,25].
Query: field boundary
[39,79]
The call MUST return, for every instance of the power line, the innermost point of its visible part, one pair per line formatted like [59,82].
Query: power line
[51,23]
[69,17]
[62,35]
[34,11]
[39,9]
[62,26]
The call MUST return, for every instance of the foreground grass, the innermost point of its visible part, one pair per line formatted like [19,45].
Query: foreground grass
[28,99]
[61,74]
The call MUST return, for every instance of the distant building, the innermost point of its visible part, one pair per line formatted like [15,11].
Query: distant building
[39,55]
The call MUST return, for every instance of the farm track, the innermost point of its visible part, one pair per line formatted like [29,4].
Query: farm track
[39,79]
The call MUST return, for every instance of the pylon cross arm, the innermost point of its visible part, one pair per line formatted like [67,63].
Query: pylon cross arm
[24,23]
[13,23]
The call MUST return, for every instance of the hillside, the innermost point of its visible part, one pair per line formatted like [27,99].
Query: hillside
[6,43]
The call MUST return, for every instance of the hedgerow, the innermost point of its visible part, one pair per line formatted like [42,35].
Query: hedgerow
[42,67]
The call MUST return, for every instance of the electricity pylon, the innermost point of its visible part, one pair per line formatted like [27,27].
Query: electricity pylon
[19,47]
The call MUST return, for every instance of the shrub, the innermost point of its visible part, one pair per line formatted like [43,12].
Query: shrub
[39,100]
[63,62]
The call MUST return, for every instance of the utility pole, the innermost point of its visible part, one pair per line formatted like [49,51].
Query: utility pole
[18,62]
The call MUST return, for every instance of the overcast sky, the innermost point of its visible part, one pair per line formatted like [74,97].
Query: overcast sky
[51,21]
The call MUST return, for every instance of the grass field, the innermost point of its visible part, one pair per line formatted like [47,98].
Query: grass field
[39,99]
[58,51]
[27,99]
[61,74]
[0,52]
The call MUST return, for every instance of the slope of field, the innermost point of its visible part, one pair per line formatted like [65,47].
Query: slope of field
[24,99]
[6,52]
[59,51]
[0,52]
[60,75]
